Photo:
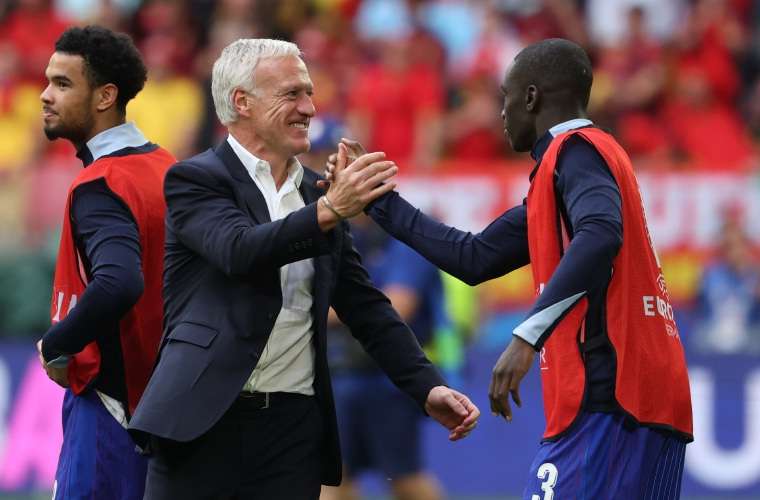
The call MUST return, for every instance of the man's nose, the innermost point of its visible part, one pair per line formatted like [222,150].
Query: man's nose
[45,95]
[306,107]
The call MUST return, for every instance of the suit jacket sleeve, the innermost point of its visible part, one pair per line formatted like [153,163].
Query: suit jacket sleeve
[376,325]
[499,249]
[201,210]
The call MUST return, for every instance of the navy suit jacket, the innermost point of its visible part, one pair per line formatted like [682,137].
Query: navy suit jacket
[222,296]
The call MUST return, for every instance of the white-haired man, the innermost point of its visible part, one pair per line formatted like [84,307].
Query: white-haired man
[240,403]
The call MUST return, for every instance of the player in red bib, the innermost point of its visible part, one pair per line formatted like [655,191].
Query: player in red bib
[615,384]
[106,306]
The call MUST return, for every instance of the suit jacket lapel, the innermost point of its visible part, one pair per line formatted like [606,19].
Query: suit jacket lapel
[309,192]
[324,264]
[254,200]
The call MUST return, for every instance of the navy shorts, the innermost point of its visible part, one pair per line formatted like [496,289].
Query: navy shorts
[98,458]
[379,426]
[603,458]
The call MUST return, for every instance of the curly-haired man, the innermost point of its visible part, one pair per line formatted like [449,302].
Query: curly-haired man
[106,305]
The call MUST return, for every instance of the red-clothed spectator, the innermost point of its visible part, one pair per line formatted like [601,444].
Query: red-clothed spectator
[700,112]
[552,18]
[628,85]
[19,113]
[497,46]
[474,130]
[711,38]
[169,18]
[33,29]
[709,131]
[396,107]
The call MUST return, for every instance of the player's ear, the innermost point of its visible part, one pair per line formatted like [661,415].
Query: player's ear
[532,97]
[106,96]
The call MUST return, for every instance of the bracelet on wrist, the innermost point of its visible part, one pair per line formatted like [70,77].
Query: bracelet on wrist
[330,207]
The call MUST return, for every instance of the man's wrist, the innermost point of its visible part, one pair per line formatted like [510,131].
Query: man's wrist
[523,342]
[378,201]
[326,202]
[326,218]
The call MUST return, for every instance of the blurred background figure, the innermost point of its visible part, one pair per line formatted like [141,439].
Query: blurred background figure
[701,109]
[629,84]
[169,107]
[33,27]
[380,426]
[396,105]
[728,301]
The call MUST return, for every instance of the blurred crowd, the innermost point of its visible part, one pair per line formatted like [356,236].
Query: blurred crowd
[678,81]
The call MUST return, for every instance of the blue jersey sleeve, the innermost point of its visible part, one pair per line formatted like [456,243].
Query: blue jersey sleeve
[473,258]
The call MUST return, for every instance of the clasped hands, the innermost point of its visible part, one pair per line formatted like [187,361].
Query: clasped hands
[355,179]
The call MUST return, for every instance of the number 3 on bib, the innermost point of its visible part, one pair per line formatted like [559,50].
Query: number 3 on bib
[547,472]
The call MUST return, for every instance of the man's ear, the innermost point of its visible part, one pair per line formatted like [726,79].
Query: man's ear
[106,96]
[241,101]
[532,98]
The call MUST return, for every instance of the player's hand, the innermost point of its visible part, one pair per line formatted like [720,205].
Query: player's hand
[356,184]
[452,410]
[59,375]
[354,150]
[507,374]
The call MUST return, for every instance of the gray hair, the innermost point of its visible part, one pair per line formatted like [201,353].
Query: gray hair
[234,70]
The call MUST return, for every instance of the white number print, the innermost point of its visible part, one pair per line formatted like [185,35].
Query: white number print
[547,472]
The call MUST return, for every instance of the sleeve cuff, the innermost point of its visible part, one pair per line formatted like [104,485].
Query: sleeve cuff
[321,239]
[61,361]
[538,326]
[427,380]
[52,356]
[378,202]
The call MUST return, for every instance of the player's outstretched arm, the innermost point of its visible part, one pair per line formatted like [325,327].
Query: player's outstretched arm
[500,248]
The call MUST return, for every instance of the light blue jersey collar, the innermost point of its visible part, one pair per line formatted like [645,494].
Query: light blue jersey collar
[563,127]
[111,140]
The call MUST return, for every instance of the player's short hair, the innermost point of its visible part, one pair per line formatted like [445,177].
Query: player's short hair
[109,57]
[234,70]
[557,64]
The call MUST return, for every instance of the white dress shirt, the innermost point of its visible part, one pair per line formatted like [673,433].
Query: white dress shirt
[287,362]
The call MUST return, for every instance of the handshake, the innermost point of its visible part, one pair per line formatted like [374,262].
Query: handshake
[353,178]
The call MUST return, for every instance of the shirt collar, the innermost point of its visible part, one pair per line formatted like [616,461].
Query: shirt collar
[541,145]
[254,165]
[111,140]
[563,127]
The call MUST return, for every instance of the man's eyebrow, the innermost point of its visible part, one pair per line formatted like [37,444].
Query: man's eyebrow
[60,78]
[296,87]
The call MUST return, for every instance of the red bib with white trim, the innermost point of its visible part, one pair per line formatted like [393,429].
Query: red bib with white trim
[651,381]
[137,179]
